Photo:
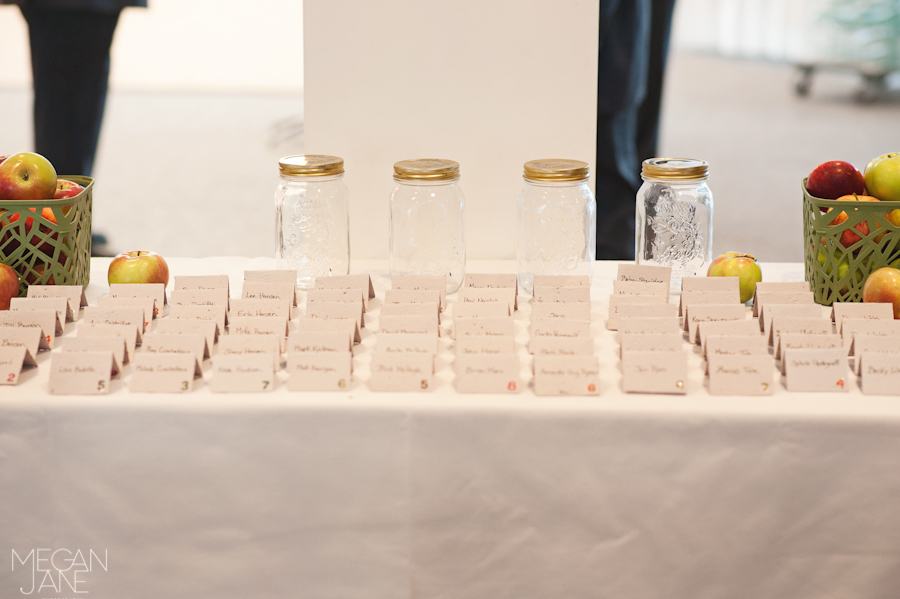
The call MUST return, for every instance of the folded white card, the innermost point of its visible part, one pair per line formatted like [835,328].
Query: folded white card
[735,345]
[650,342]
[771,311]
[361,282]
[284,292]
[81,373]
[644,273]
[147,304]
[200,297]
[864,326]
[154,291]
[804,326]
[432,310]
[578,375]
[869,343]
[117,315]
[480,295]
[503,326]
[494,373]
[217,314]
[261,307]
[350,296]
[116,345]
[481,310]
[777,287]
[31,338]
[880,373]
[422,343]
[491,281]
[421,282]
[741,375]
[728,327]
[255,345]
[816,369]
[689,298]
[616,302]
[766,298]
[336,310]
[409,324]
[125,331]
[543,295]
[570,311]
[280,278]
[60,304]
[401,372]
[876,311]
[47,321]
[248,373]
[562,281]
[183,344]
[641,288]
[318,325]
[728,284]
[559,329]
[207,328]
[413,296]
[640,325]
[202,282]
[557,346]
[699,313]
[13,360]
[334,342]
[805,341]
[260,325]
[484,344]
[73,293]
[319,371]
[654,372]
[164,373]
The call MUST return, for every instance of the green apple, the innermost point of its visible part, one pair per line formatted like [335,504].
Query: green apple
[883,286]
[138,267]
[743,266]
[883,177]
[27,176]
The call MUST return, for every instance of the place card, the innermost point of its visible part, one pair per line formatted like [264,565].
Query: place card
[31,338]
[562,281]
[816,369]
[281,279]
[73,293]
[401,372]
[842,310]
[350,296]
[421,282]
[643,326]
[258,345]
[654,372]
[154,291]
[489,327]
[413,296]
[45,320]
[260,325]
[164,373]
[543,295]
[868,343]
[863,326]
[318,325]
[200,297]
[640,288]
[261,307]
[647,310]
[741,375]
[644,273]
[361,282]
[488,310]
[880,373]
[133,316]
[484,344]
[247,373]
[689,298]
[803,326]
[202,282]
[617,301]
[421,343]
[727,284]
[116,345]
[570,311]
[207,328]
[577,375]
[127,332]
[805,341]
[667,342]
[217,314]
[13,360]
[170,343]
[495,373]
[333,310]
[556,346]
[147,304]
[60,304]
[729,328]
[767,313]
[479,295]
[560,329]
[698,313]
[777,287]
[320,371]
[334,342]
[81,373]
[409,324]
[286,292]
[431,310]
[766,298]
[491,281]
[735,345]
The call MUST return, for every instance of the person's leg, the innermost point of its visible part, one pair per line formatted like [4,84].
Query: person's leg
[648,114]
[622,71]
[70,67]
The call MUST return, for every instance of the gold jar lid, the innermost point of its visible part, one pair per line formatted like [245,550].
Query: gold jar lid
[675,168]
[311,165]
[426,169]
[557,169]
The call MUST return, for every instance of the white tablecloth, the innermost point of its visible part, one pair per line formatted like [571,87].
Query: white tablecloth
[428,495]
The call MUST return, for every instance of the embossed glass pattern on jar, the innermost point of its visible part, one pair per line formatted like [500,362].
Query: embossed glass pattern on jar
[674,217]
[311,218]
[557,221]
[428,213]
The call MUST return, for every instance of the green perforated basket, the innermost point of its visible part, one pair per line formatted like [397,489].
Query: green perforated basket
[43,252]
[840,257]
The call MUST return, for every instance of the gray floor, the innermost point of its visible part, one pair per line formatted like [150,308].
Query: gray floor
[193,175]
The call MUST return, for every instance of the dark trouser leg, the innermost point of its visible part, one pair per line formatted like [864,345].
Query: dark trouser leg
[70,66]
[648,114]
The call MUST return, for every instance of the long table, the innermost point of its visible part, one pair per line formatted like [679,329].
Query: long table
[445,495]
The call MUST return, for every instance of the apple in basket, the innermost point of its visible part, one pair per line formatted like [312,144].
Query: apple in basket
[27,176]
[848,237]
[883,177]
[833,179]
[138,267]
[883,286]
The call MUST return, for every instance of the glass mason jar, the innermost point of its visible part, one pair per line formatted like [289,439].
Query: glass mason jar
[311,218]
[557,221]
[674,219]
[428,221]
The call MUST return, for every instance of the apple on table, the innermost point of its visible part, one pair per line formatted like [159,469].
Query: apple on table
[138,266]
[883,286]
[9,286]
[736,264]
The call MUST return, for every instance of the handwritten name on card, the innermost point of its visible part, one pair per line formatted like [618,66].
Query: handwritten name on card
[617,301]
[495,373]
[492,327]
[361,282]
[401,372]
[147,304]
[336,310]
[432,310]
[60,304]
[741,375]
[805,341]
[421,343]
[154,291]
[480,295]
[124,331]
[692,298]
[491,281]
[735,345]
[654,372]
[647,311]
[318,325]
[484,344]
[555,346]
[200,297]
[207,328]
[564,295]
[643,273]
[639,325]
[74,294]
[260,325]
[869,343]
[317,371]
[880,373]
[168,343]
[767,313]
[641,288]
[698,313]
[347,296]
[560,329]
[335,342]
[767,298]
[116,345]
[562,281]
[259,307]
[46,321]
[256,345]
[777,287]
[217,314]
[481,310]
[842,310]
[853,327]
[413,296]
[578,375]
[285,292]
[31,338]
[81,373]
[804,326]
[248,373]
[816,369]
[164,373]
[203,282]
[570,311]
[729,328]
[13,360]
[421,282]
[133,316]
[409,324]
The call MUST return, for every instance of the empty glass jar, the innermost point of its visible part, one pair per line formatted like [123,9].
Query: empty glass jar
[428,221]
[674,219]
[311,218]
[557,221]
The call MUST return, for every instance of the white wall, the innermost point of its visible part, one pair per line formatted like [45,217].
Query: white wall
[188,45]
[488,84]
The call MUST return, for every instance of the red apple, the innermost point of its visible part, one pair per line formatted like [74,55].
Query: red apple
[9,286]
[138,267]
[27,176]
[831,180]
[883,177]
[66,189]
[2,158]
[883,286]
[743,266]
[848,237]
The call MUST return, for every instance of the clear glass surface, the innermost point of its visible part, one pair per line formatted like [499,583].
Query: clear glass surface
[557,230]
[674,227]
[312,227]
[428,230]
